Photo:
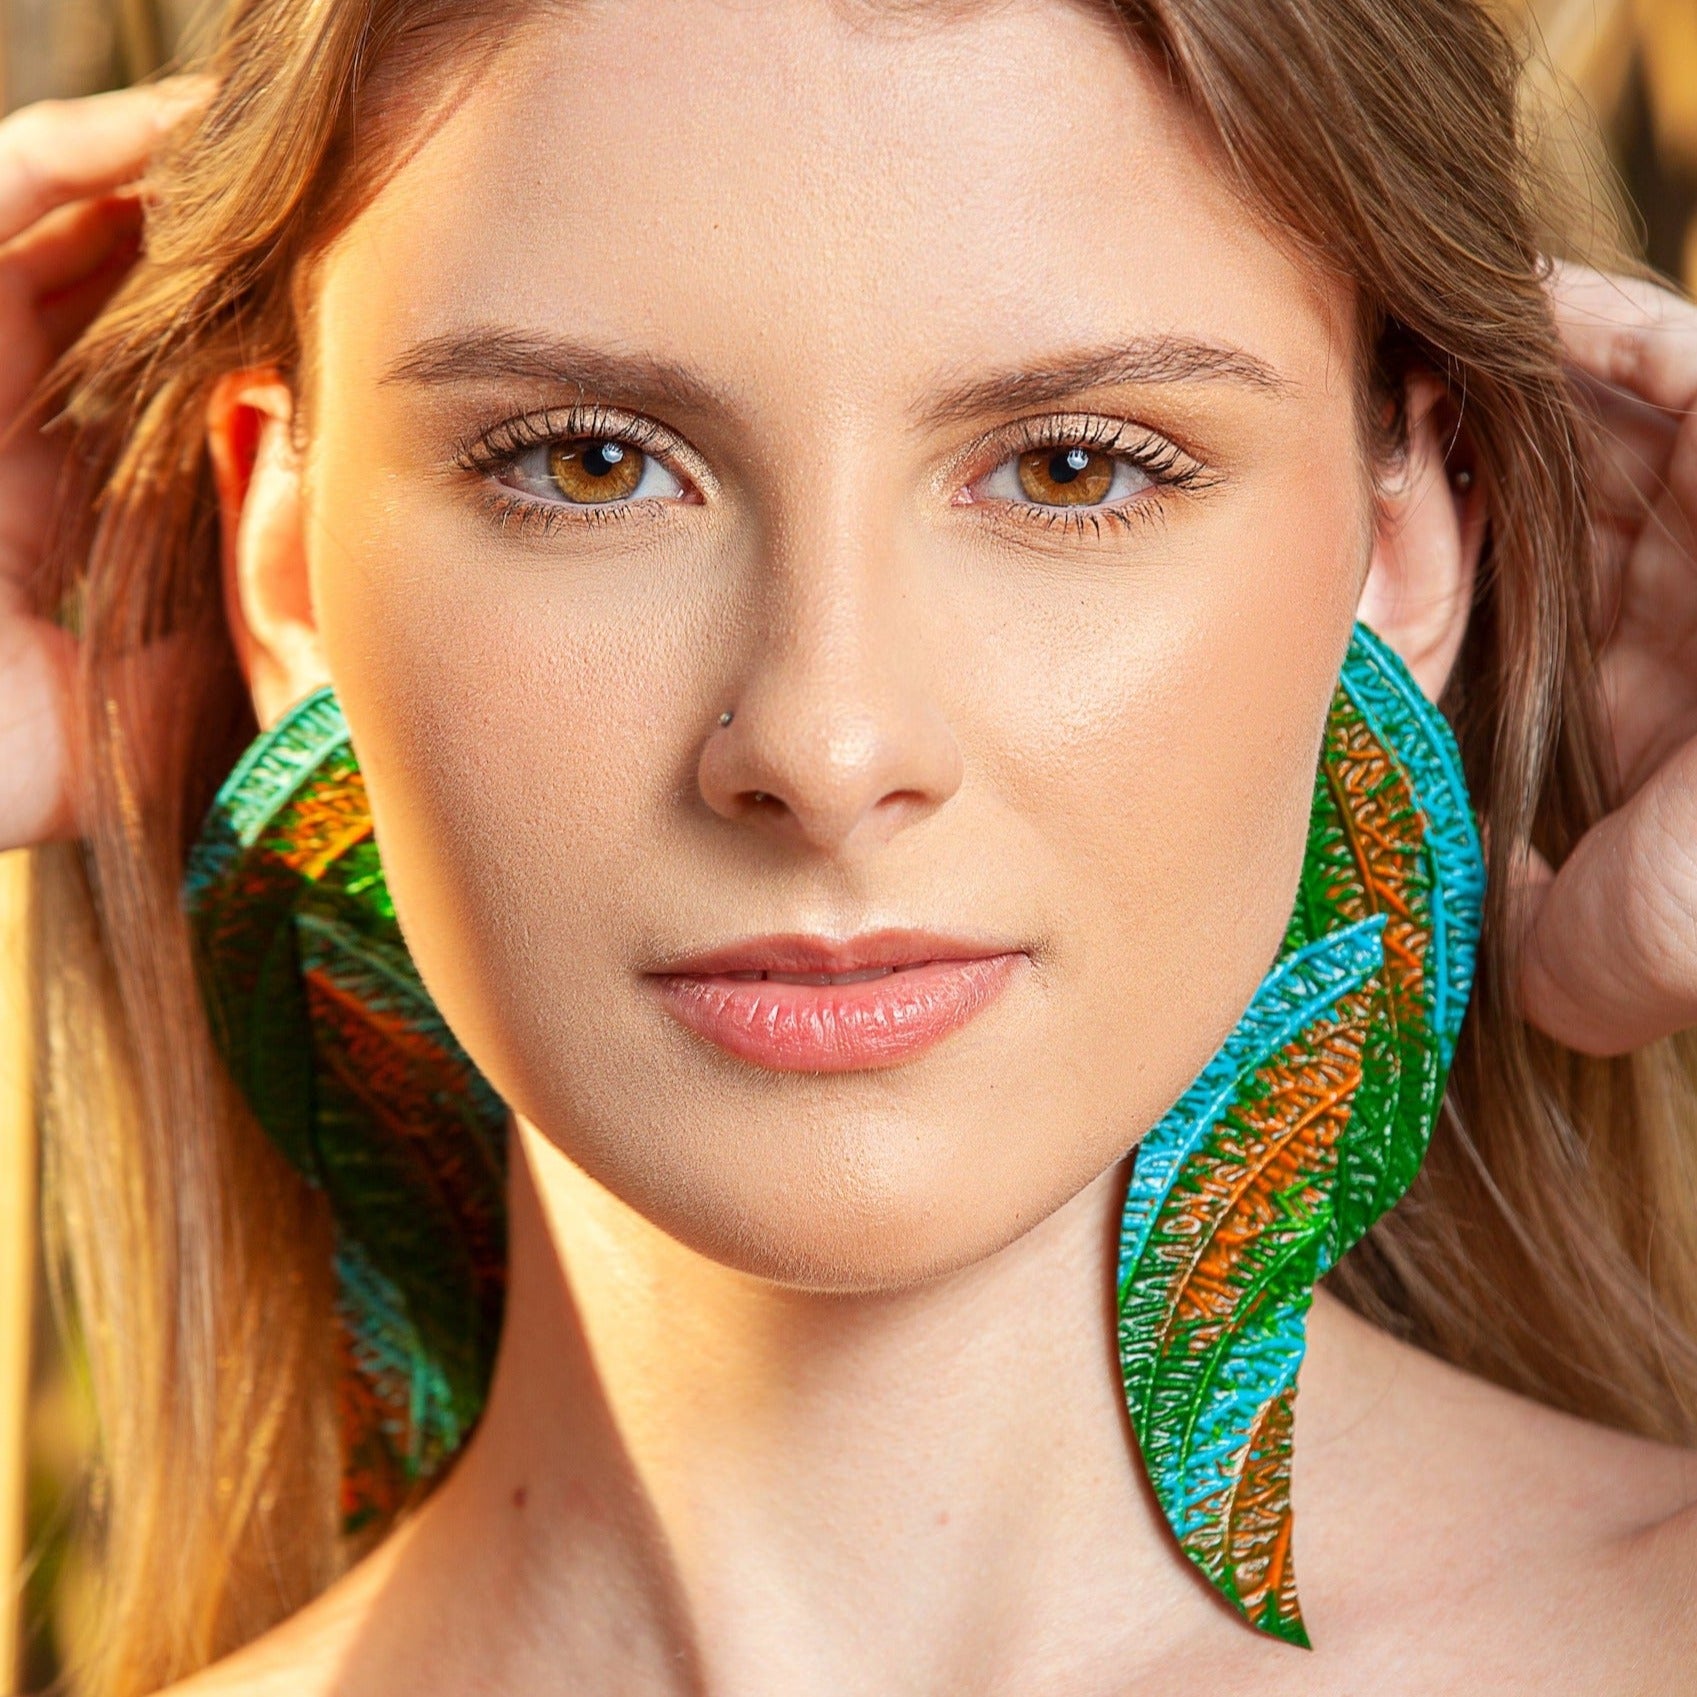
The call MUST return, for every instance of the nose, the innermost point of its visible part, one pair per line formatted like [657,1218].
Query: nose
[837,737]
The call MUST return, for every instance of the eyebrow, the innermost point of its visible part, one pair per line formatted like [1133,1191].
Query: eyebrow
[496,355]
[648,380]
[1165,358]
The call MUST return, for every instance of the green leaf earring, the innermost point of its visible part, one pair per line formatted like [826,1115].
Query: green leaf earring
[1308,1124]
[340,1052]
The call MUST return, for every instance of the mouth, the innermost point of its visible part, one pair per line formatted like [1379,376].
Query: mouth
[811,1004]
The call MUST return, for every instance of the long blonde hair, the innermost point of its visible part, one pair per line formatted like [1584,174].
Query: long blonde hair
[1550,1242]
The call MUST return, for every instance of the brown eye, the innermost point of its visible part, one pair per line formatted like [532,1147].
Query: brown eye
[1065,476]
[588,469]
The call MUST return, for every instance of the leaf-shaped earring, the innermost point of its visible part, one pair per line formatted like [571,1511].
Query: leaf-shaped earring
[1308,1124]
[320,1014]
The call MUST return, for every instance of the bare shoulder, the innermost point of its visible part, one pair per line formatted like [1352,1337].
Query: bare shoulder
[1526,1549]
[1451,1537]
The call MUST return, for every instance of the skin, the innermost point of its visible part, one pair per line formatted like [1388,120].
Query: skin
[807,1382]
[913,681]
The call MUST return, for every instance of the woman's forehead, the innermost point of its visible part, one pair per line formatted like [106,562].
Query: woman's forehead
[787,179]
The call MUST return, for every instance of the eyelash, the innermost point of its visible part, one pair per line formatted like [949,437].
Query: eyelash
[498,451]
[1161,460]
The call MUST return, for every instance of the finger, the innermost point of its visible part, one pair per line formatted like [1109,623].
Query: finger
[1651,708]
[59,151]
[60,250]
[55,291]
[45,794]
[30,469]
[1629,334]
[1629,453]
[1609,960]
[1633,443]
[1649,661]
[1659,592]
[36,759]
[85,250]
[67,312]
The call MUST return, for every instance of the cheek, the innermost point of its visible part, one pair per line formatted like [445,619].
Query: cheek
[1169,762]
[520,731]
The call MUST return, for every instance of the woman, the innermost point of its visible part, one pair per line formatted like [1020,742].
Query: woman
[836,529]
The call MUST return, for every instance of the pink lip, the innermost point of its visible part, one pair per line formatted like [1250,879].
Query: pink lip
[927,987]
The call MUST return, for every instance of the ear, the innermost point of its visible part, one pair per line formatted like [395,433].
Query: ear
[1428,533]
[267,593]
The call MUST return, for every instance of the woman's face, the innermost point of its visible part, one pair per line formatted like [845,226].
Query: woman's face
[947,420]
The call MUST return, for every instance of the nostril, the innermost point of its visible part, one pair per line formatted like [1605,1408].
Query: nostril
[905,799]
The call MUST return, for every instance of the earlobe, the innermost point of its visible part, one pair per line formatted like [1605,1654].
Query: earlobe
[1428,536]
[267,589]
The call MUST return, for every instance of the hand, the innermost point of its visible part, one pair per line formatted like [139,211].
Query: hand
[70,227]
[1611,947]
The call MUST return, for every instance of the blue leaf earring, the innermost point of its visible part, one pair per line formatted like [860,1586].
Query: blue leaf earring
[1307,1125]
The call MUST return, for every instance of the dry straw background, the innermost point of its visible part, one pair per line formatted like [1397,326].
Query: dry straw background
[1614,85]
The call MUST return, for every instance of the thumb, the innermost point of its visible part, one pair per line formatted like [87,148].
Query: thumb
[1608,943]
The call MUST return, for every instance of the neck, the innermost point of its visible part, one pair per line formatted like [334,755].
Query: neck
[741,1477]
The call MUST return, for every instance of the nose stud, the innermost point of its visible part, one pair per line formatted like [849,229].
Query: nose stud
[757,795]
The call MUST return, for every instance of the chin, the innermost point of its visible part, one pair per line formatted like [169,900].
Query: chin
[851,1204]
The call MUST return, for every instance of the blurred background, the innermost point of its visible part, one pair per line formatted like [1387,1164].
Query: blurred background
[1612,88]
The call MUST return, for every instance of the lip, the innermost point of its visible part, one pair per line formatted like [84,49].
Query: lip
[920,987]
